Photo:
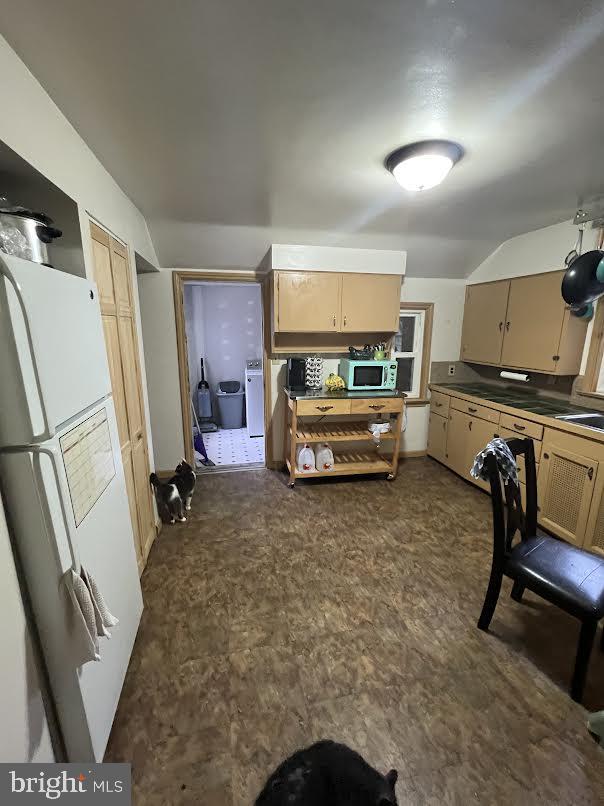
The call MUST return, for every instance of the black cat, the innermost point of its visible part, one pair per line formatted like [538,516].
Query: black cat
[169,502]
[328,774]
[184,479]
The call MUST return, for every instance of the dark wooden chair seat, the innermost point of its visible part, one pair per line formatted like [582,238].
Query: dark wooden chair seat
[566,576]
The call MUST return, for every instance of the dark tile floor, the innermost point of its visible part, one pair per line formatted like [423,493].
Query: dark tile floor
[347,609]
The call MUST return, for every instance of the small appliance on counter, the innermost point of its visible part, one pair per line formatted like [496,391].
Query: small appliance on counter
[296,374]
[368,375]
[364,354]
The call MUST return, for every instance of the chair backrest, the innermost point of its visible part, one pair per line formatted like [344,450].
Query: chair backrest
[509,516]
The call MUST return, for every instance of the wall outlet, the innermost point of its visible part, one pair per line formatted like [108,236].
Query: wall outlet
[451,369]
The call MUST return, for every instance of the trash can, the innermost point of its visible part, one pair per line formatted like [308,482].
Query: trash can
[229,396]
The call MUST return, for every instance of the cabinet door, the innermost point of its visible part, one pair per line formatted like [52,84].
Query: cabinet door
[534,322]
[457,442]
[480,432]
[370,303]
[565,489]
[308,302]
[437,436]
[103,277]
[594,537]
[483,322]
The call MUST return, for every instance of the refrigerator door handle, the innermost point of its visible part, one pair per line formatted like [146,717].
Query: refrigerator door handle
[48,432]
[54,457]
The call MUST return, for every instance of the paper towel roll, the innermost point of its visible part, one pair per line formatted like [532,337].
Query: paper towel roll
[514,376]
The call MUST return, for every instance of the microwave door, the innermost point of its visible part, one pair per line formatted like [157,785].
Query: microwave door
[368,377]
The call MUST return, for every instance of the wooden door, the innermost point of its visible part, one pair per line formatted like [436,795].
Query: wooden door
[565,489]
[484,321]
[457,441]
[101,253]
[122,352]
[114,356]
[307,302]
[534,321]
[480,432]
[437,436]
[370,303]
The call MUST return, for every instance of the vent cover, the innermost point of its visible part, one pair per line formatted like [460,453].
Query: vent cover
[566,490]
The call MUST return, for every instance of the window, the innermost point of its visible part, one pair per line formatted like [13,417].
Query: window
[412,349]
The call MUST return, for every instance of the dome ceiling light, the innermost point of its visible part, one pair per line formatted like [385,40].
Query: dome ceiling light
[423,165]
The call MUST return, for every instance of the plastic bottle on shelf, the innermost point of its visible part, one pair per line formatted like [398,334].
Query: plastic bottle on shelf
[305,459]
[324,459]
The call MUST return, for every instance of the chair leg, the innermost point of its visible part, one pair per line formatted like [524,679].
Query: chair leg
[490,599]
[586,639]
[517,591]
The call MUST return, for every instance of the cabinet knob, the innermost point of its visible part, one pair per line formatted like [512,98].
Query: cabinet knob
[507,325]
[345,320]
[324,408]
[501,326]
[546,455]
[334,321]
[375,406]
[590,473]
[472,410]
[470,425]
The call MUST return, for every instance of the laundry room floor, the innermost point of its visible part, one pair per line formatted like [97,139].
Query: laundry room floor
[233,446]
[347,609]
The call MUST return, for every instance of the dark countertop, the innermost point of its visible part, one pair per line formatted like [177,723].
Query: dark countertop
[516,398]
[344,394]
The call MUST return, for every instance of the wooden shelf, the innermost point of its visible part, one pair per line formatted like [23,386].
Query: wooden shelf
[348,464]
[336,432]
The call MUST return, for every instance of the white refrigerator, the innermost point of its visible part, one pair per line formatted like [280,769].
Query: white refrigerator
[63,484]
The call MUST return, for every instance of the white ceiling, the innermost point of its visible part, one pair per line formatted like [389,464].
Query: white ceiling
[276,115]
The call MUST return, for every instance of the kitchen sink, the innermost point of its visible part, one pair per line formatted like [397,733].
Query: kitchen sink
[587,420]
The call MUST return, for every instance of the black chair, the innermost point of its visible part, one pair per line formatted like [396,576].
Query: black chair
[568,577]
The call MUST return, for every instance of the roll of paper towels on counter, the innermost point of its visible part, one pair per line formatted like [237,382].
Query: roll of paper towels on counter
[514,376]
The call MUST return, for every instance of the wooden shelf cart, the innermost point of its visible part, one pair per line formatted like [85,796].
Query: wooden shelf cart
[324,427]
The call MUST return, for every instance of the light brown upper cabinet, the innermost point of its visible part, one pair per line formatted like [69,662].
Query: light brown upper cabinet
[334,302]
[112,276]
[370,302]
[532,330]
[308,302]
[484,322]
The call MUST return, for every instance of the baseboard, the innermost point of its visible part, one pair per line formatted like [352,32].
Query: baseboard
[412,454]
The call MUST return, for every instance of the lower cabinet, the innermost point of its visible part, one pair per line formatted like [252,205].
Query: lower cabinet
[568,474]
[467,436]
[437,436]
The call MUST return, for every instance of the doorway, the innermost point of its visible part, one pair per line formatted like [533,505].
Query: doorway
[223,328]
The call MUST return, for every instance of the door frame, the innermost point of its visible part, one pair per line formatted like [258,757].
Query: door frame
[179,278]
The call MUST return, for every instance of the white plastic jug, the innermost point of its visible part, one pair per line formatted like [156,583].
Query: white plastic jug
[324,458]
[305,459]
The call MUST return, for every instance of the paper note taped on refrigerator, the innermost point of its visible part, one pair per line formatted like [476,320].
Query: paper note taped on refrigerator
[88,459]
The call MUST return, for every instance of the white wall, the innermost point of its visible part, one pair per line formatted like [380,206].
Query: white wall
[159,342]
[232,330]
[24,735]
[535,252]
[33,126]
[448,297]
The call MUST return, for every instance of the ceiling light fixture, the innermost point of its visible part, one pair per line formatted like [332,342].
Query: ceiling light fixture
[423,165]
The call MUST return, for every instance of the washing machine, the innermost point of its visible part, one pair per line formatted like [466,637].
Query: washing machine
[254,398]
